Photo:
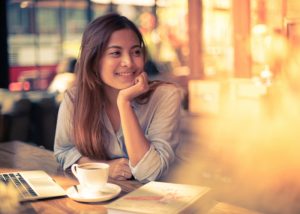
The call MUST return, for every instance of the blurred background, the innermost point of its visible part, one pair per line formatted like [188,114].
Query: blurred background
[195,38]
[237,62]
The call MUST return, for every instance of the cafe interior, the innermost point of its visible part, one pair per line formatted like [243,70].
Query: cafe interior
[237,63]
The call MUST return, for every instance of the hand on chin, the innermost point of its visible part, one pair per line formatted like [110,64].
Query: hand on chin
[136,88]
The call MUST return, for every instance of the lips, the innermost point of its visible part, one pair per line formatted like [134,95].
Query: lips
[125,73]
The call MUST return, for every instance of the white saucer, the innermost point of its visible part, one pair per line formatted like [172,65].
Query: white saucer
[110,191]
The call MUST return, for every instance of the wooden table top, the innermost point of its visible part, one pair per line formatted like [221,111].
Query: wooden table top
[16,156]
[21,156]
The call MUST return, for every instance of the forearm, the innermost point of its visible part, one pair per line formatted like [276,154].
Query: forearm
[84,159]
[136,143]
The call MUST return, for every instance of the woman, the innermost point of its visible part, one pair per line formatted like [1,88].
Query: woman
[114,114]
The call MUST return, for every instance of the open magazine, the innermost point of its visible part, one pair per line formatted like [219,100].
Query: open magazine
[160,197]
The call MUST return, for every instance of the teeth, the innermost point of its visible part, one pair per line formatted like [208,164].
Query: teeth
[125,73]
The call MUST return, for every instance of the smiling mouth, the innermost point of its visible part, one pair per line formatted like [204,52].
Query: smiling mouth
[125,73]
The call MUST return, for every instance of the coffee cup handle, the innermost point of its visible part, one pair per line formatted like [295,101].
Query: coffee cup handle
[74,169]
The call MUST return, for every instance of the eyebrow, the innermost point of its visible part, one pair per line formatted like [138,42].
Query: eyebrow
[119,47]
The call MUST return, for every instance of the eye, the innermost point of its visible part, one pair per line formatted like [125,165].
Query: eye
[137,52]
[115,53]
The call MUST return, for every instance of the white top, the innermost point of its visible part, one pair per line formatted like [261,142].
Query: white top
[159,119]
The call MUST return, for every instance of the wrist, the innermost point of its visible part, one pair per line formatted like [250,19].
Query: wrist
[122,101]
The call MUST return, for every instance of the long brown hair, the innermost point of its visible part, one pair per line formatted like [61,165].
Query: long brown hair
[90,132]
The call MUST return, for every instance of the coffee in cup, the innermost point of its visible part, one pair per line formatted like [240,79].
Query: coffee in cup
[91,176]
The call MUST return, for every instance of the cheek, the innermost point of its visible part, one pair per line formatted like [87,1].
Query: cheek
[140,62]
[107,66]
[105,73]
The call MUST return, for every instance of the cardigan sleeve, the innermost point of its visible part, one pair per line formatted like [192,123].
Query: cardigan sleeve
[64,149]
[163,134]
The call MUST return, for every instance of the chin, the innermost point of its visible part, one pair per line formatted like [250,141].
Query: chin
[125,85]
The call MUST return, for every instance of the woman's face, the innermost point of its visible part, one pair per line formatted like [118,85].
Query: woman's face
[122,61]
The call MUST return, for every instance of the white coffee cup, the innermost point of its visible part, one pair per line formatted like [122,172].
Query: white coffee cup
[91,176]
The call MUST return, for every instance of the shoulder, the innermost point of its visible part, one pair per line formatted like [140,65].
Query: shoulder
[168,93]
[168,89]
[69,97]
[70,94]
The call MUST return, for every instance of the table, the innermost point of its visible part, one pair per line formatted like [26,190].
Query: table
[22,156]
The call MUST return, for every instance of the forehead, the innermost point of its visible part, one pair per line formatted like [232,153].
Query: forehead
[124,38]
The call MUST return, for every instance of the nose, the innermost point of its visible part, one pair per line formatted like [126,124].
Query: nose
[126,61]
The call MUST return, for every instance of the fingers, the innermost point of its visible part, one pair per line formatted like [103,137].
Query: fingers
[140,86]
[143,75]
[142,78]
[142,82]
[119,169]
[123,175]
[126,172]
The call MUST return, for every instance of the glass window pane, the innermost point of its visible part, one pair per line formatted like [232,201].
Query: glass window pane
[75,20]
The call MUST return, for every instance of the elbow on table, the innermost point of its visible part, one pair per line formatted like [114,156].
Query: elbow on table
[152,173]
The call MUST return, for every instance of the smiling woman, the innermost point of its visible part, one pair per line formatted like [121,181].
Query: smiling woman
[114,114]
[123,60]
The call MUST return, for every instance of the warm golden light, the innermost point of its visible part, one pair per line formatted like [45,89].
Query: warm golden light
[250,152]
[24,4]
